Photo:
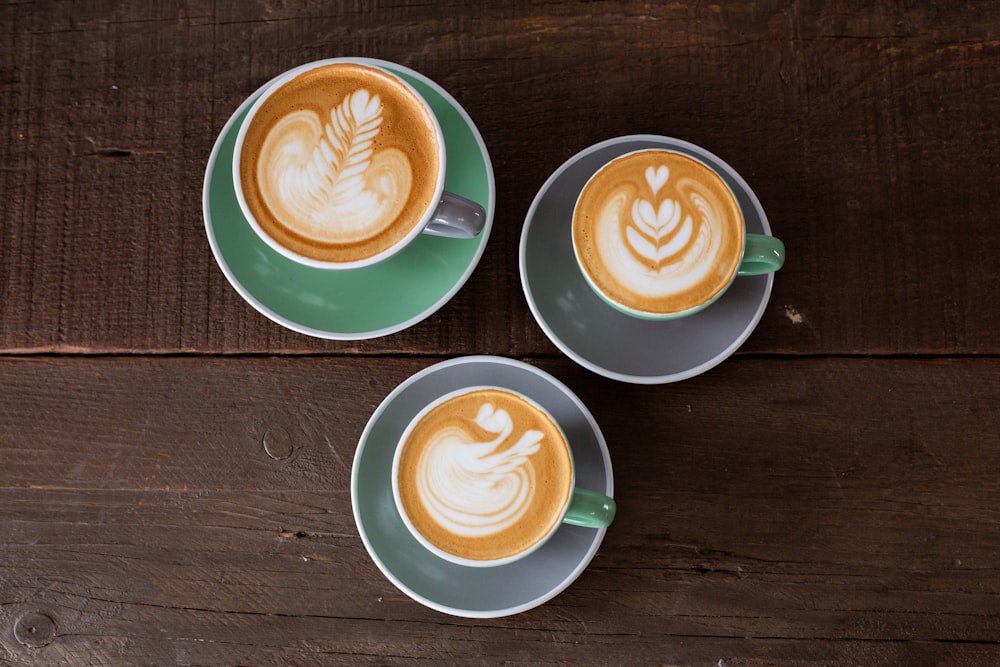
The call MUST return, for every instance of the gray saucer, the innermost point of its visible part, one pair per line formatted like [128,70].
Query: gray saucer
[474,592]
[594,334]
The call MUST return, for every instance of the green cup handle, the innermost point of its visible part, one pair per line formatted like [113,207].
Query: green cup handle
[590,509]
[762,254]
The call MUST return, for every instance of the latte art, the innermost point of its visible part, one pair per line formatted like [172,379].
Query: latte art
[484,475]
[475,488]
[326,180]
[657,236]
[657,232]
[340,163]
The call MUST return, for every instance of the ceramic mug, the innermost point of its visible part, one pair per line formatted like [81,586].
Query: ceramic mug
[658,234]
[340,164]
[484,476]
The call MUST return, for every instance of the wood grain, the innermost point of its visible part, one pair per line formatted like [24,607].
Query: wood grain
[175,468]
[867,132]
[770,513]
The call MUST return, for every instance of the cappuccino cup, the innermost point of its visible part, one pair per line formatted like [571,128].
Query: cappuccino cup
[659,235]
[484,476]
[340,164]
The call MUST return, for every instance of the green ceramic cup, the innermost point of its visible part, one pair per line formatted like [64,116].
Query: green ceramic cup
[660,214]
[475,489]
[446,215]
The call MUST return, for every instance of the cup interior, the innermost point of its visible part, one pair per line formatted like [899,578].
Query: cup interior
[261,102]
[424,541]
[718,182]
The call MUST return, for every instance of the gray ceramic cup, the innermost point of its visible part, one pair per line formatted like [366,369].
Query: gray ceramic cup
[448,214]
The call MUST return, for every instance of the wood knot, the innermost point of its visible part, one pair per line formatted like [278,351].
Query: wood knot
[278,443]
[35,629]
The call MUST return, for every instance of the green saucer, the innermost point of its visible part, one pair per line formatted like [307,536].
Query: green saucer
[357,303]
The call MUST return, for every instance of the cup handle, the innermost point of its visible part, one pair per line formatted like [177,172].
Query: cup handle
[456,217]
[762,254]
[590,509]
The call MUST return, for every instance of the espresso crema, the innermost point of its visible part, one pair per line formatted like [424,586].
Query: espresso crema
[484,475]
[658,232]
[340,163]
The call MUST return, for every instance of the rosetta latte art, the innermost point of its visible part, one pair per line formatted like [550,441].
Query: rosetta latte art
[661,233]
[662,240]
[476,489]
[327,181]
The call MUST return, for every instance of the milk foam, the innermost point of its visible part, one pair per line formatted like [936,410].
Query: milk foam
[476,489]
[659,251]
[328,181]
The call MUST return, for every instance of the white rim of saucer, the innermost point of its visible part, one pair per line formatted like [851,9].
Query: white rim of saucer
[323,333]
[666,142]
[573,575]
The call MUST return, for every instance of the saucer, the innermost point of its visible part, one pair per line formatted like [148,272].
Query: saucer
[355,303]
[474,592]
[594,334]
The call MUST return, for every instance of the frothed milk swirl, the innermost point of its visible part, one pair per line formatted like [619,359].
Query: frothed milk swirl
[340,163]
[484,475]
[658,232]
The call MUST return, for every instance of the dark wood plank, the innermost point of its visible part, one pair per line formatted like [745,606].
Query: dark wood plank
[778,510]
[798,512]
[868,133]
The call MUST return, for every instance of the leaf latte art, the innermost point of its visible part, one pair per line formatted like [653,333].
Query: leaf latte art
[340,163]
[326,180]
[484,475]
[657,232]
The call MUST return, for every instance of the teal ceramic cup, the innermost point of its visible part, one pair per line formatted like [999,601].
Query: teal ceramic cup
[341,164]
[484,476]
[659,235]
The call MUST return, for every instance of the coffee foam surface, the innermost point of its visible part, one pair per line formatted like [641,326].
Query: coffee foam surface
[340,163]
[658,232]
[484,476]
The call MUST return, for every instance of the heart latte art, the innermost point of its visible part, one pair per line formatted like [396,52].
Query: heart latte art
[484,475]
[657,232]
[340,163]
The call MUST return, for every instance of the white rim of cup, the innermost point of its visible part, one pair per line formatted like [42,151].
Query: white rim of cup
[277,83]
[642,314]
[559,342]
[438,551]
[363,442]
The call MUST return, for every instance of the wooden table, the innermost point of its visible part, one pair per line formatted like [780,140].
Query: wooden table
[827,496]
